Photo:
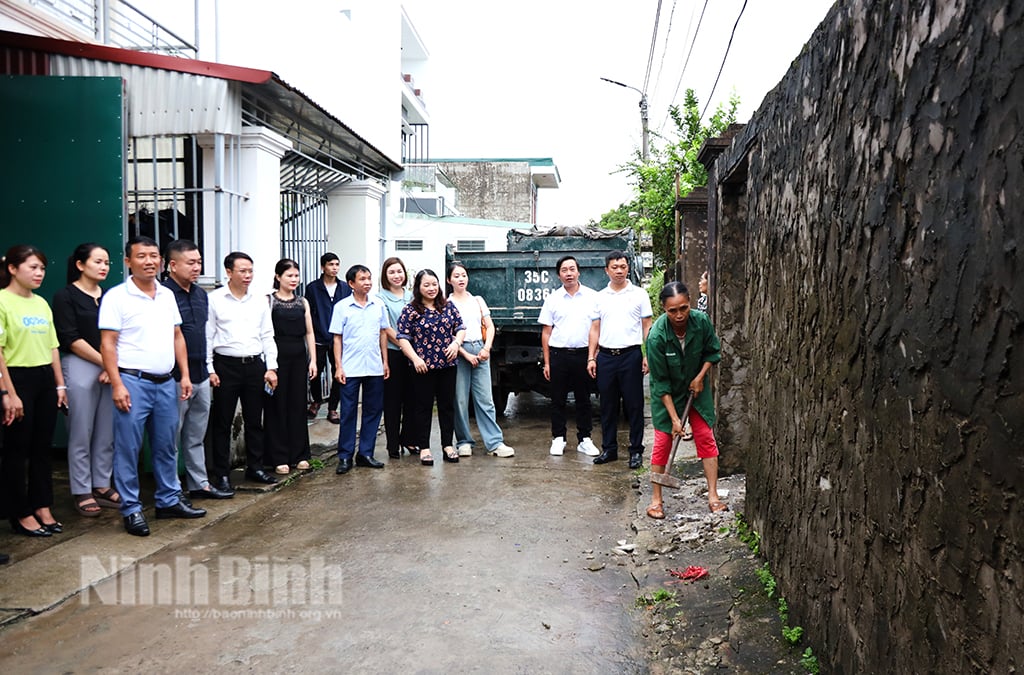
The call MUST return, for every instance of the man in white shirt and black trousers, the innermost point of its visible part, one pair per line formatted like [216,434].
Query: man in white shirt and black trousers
[242,359]
[621,322]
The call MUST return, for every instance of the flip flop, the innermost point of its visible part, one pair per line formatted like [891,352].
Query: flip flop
[656,511]
[717,507]
[107,498]
[87,506]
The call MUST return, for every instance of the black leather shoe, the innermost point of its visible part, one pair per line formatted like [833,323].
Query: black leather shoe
[223,484]
[395,454]
[179,510]
[18,528]
[210,492]
[636,461]
[367,461]
[606,457]
[136,524]
[259,476]
[343,466]
[183,498]
[4,558]
[56,527]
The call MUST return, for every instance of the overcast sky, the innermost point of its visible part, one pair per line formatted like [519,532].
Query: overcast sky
[522,79]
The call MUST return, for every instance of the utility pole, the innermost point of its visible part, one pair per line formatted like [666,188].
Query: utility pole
[643,114]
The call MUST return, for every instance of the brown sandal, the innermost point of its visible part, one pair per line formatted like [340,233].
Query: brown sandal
[655,511]
[87,506]
[717,507]
[107,498]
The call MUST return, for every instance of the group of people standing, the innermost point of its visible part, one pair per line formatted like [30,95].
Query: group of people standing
[407,351]
[599,335]
[170,359]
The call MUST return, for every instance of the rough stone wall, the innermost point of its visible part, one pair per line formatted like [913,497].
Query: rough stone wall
[493,190]
[883,320]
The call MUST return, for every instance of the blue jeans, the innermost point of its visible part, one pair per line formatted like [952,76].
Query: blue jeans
[155,410]
[479,381]
[373,408]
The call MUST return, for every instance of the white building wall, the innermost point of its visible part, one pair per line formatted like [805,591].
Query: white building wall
[436,233]
[345,56]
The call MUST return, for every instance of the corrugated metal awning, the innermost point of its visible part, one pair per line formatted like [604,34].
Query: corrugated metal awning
[164,102]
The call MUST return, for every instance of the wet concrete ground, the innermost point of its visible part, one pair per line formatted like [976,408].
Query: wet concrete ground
[477,566]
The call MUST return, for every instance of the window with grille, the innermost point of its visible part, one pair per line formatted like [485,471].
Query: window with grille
[470,245]
[408,244]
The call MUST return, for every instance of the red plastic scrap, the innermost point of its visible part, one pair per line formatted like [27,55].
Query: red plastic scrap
[691,573]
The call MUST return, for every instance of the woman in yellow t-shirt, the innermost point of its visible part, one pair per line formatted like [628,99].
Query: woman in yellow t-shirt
[36,389]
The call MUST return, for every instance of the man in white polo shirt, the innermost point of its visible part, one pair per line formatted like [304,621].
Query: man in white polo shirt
[566,319]
[621,321]
[140,341]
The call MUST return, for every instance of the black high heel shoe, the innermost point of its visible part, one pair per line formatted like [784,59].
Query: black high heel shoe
[18,528]
[56,527]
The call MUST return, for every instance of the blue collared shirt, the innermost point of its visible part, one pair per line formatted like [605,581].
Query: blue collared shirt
[360,327]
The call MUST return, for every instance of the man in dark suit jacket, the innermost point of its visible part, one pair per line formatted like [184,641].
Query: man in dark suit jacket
[323,294]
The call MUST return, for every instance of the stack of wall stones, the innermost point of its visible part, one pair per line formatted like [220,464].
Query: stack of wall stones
[868,233]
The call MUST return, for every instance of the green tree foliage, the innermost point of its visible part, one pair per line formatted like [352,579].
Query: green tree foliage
[655,180]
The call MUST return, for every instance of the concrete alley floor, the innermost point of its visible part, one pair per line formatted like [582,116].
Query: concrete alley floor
[480,566]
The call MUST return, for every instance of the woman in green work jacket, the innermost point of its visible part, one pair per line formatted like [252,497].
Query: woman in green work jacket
[681,348]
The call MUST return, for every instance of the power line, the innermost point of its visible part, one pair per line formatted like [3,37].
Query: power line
[654,40]
[661,64]
[724,57]
[687,61]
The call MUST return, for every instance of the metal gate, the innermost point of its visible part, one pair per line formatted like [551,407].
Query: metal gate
[304,231]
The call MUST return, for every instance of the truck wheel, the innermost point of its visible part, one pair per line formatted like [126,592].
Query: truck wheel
[500,400]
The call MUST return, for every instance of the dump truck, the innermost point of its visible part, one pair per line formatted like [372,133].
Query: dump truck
[515,282]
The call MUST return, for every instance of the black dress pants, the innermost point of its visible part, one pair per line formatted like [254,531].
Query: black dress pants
[398,420]
[240,379]
[569,373]
[434,385]
[27,442]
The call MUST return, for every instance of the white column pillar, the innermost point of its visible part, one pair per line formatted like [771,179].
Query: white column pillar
[259,232]
[354,225]
[245,214]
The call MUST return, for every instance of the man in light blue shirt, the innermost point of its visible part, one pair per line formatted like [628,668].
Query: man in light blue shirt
[359,325]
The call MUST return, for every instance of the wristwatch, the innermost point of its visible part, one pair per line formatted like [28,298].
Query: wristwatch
[4,392]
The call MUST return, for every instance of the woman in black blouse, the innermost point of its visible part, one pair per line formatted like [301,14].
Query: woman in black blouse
[90,406]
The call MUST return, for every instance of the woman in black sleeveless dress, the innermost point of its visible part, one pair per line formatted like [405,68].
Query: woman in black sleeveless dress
[284,411]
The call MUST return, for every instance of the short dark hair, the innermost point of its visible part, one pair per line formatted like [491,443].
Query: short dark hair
[561,261]
[179,246]
[15,256]
[672,289]
[354,271]
[140,240]
[328,257]
[230,258]
[615,255]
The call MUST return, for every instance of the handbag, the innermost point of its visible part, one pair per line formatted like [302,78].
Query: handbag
[483,324]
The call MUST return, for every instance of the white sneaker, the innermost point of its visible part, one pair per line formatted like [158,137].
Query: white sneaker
[503,451]
[557,446]
[588,448]
[465,450]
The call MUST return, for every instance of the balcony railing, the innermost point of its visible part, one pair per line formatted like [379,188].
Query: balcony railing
[119,24]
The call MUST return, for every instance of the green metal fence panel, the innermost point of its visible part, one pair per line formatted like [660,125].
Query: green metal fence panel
[62,169]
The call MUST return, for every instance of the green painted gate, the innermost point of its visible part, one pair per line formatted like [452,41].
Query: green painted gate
[62,168]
